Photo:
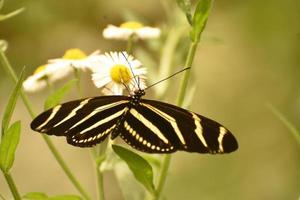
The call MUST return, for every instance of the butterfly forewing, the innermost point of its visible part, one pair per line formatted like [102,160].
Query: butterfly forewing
[84,122]
[194,132]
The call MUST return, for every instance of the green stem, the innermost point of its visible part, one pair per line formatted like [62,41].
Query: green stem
[2,197]
[77,76]
[100,184]
[180,98]
[166,58]
[163,175]
[187,73]
[130,41]
[12,186]
[286,122]
[98,157]
[49,85]
[58,157]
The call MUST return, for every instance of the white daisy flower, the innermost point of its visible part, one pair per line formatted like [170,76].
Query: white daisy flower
[118,70]
[77,59]
[45,74]
[127,29]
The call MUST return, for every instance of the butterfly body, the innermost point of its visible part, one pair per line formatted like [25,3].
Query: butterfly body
[146,125]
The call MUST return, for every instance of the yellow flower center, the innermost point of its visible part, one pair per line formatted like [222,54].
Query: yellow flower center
[132,25]
[74,54]
[120,74]
[39,69]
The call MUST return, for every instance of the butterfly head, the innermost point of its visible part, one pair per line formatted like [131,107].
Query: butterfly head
[137,95]
[139,92]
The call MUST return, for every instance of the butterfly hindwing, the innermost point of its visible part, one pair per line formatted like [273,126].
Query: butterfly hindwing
[140,130]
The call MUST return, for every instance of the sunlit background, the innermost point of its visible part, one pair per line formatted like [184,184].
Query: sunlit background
[249,56]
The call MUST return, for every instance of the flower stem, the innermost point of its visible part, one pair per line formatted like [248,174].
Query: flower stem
[77,76]
[12,186]
[100,183]
[98,157]
[180,98]
[130,41]
[49,85]
[6,65]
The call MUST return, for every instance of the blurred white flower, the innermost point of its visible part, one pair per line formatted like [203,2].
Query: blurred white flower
[127,29]
[77,59]
[44,75]
[118,70]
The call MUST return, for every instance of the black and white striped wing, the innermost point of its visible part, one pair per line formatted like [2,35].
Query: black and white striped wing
[157,127]
[84,122]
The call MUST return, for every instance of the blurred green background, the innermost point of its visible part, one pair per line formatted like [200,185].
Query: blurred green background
[249,55]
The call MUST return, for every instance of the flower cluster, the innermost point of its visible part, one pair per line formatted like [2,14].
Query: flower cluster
[113,71]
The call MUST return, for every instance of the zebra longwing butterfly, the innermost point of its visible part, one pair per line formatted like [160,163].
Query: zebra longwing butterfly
[146,125]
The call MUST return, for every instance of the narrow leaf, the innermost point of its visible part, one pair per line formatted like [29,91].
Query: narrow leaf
[9,145]
[200,18]
[35,196]
[65,197]
[185,6]
[55,98]
[286,122]
[12,14]
[43,196]
[9,109]
[140,168]
[3,45]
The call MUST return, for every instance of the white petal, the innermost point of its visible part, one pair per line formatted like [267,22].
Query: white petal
[31,84]
[148,32]
[117,89]
[114,32]
[100,81]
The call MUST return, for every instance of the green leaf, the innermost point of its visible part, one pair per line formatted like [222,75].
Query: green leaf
[12,14]
[286,122]
[140,168]
[9,109]
[35,196]
[9,145]
[185,6]
[55,98]
[3,45]
[200,18]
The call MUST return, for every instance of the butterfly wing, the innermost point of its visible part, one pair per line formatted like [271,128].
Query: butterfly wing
[157,127]
[84,122]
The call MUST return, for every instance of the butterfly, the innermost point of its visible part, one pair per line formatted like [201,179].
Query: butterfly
[146,125]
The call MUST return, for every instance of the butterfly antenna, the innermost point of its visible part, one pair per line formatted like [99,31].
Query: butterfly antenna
[123,83]
[167,78]
[134,77]
[127,88]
